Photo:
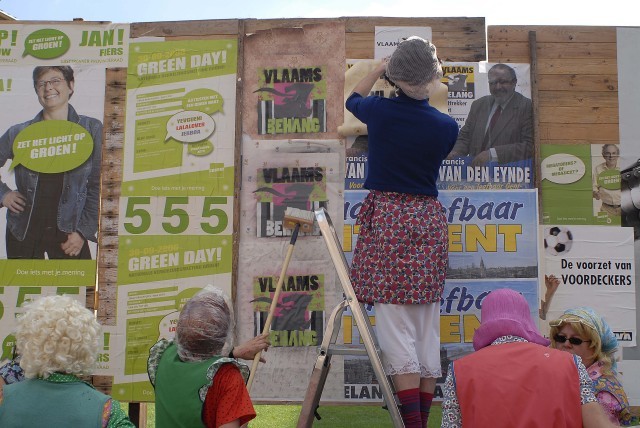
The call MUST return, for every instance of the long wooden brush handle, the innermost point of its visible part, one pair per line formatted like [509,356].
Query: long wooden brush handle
[274,303]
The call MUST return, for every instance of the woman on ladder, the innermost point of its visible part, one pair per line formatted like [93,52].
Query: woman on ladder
[400,260]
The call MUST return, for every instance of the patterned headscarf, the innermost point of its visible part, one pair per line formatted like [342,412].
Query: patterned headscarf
[607,338]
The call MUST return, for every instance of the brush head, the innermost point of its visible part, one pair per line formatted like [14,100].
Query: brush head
[294,216]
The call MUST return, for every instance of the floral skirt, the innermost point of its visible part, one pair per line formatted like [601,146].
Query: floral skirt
[401,256]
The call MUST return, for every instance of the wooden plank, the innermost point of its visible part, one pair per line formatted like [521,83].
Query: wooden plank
[457,40]
[109,222]
[548,33]
[578,99]
[184,28]
[590,131]
[109,240]
[240,78]
[578,83]
[112,188]
[367,24]
[552,50]
[579,115]
[471,25]
[109,278]
[584,66]
[107,308]
[107,293]
[110,206]
[533,44]
[107,255]
[102,383]
[90,301]
[115,138]
[115,100]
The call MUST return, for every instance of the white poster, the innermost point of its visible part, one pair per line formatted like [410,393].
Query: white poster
[595,268]
[388,38]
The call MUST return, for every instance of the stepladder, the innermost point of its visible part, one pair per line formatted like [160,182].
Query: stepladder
[329,346]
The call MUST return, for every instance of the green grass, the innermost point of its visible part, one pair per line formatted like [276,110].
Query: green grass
[272,416]
[284,416]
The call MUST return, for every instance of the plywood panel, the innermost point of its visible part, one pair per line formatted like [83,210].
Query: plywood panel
[185,28]
[591,131]
[577,99]
[594,114]
[556,51]
[579,83]
[557,34]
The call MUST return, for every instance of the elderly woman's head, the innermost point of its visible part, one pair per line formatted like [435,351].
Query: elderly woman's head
[583,332]
[205,326]
[414,67]
[57,334]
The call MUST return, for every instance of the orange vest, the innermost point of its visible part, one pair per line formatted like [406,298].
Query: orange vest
[518,385]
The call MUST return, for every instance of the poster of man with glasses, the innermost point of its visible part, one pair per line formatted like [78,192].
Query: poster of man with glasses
[495,144]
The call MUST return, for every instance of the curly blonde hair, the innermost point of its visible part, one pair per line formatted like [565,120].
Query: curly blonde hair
[57,334]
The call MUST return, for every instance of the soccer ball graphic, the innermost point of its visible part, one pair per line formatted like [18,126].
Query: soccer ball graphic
[557,240]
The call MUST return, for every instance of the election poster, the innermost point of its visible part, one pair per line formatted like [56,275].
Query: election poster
[591,266]
[298,319]
[388,38]
[279,188]
[357,165]
[52,80]
[492,234]
[581,184]
[493,243]
[292,100]
[353,200]
[460,309]
[292,82]
[176,204]
[307,174]
[489,154]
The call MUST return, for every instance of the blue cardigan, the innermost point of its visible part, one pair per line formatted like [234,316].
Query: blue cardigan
[408,140]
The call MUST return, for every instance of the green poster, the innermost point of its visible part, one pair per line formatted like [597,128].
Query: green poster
[176,204]
[580,184]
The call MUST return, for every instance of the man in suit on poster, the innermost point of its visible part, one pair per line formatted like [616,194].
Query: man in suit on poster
[499,127]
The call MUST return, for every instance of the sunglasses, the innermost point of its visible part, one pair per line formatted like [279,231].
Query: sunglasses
[558,322]
[572,340]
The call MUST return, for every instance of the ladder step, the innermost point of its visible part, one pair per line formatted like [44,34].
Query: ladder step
[349,350]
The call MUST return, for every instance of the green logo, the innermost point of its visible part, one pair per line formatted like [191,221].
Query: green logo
[190,127]
[7,347]
[52,146]
[202,148]
[46,44]
[204,100]
[609,179]
[562,168]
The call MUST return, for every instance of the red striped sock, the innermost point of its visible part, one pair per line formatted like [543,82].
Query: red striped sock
[410,410]
[425,407]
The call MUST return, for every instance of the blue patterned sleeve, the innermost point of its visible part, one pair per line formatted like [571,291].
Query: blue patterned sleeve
[11,372]
[587,392]
[451,416]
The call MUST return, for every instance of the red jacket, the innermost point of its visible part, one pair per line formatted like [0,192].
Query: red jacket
[518,385]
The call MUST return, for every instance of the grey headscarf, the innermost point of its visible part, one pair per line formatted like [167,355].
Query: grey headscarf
[413,66]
